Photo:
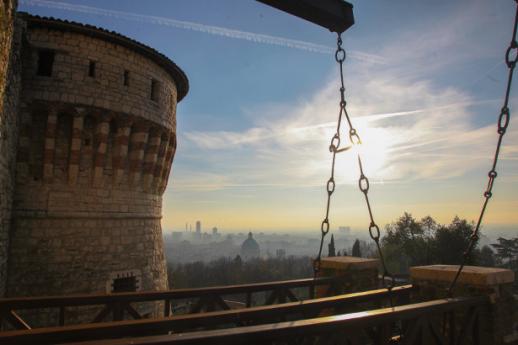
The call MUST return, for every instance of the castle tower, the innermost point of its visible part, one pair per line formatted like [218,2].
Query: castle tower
[97,137]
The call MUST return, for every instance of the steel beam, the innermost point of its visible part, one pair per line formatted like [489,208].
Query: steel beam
[335,15]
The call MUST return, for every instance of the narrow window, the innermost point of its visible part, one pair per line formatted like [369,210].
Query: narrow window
[154,90]
[126,77]
[45,62]
[126,284]
[91,69]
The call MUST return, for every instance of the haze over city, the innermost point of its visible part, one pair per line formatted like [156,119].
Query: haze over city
[424,83]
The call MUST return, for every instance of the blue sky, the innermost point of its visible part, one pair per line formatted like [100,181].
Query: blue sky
[424,85]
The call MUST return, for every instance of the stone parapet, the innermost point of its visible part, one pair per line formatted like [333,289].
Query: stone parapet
[432,282]
[358,274]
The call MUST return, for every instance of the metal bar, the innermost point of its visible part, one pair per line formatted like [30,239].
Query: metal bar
[334,15]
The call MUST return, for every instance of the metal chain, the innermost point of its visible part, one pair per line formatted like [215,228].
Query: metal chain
[502,124]
[363,182]
[334,148]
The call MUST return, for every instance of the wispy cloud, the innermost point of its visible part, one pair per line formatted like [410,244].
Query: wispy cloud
[208,29]
[417,144]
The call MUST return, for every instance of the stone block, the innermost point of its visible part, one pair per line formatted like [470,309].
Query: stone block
[358,274]
[433,282]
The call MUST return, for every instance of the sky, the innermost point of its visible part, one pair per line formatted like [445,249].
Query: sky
[424,85]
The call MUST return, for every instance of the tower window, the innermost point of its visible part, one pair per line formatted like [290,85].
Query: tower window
[45,62]
[154,90]
[91,69]
[126,77]
[125,284]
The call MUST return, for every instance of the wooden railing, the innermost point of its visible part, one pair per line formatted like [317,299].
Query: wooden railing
[228,319]
[446,321]
[124,305]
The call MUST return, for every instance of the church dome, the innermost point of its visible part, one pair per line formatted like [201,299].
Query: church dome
[250,248]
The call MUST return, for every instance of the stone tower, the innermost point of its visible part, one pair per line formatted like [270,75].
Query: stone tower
[96,139]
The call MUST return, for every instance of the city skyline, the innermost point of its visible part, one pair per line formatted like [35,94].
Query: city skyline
[253,132]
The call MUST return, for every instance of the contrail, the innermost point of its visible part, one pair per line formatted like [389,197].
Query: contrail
[208,29]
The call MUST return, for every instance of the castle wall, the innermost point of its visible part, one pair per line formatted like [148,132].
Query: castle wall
[9,92]
[94,156]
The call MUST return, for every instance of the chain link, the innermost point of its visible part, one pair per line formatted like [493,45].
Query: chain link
[502,123]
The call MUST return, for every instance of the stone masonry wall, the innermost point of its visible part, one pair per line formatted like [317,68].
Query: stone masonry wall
[71,83]
[69,256]
[9,92]
[94,156]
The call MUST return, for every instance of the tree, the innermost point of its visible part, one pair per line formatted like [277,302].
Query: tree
[486,257]
[507,251]
[356,249]
[331,247]
[408,241]
[451,242]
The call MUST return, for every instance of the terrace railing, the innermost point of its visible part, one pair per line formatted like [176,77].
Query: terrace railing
[291,311]
[121,306]
[445,321]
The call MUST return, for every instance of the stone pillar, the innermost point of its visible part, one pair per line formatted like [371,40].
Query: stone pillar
[171,148]
[120,153]
[358,274]
[101,137]
[496,283]
[50,144]
[160,162]
[75,147]
[138,139]
[150,158]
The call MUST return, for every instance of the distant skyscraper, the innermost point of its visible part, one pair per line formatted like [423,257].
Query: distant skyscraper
[198,226]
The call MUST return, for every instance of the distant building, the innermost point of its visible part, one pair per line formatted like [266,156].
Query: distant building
[346,230]
[198,226]
[214,231]
[176,235]
[250,248]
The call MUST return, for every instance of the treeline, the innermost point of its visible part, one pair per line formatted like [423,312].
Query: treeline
[229,271]
[405,243]
[411,242]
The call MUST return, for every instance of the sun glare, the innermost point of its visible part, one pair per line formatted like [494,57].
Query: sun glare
[374,149]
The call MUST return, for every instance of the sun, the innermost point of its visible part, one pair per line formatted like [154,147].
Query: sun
[373,150]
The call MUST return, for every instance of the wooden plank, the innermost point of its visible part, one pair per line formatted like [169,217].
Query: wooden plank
[62,316]
[133,313]
[17,303]
[103,313]
[15,320]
